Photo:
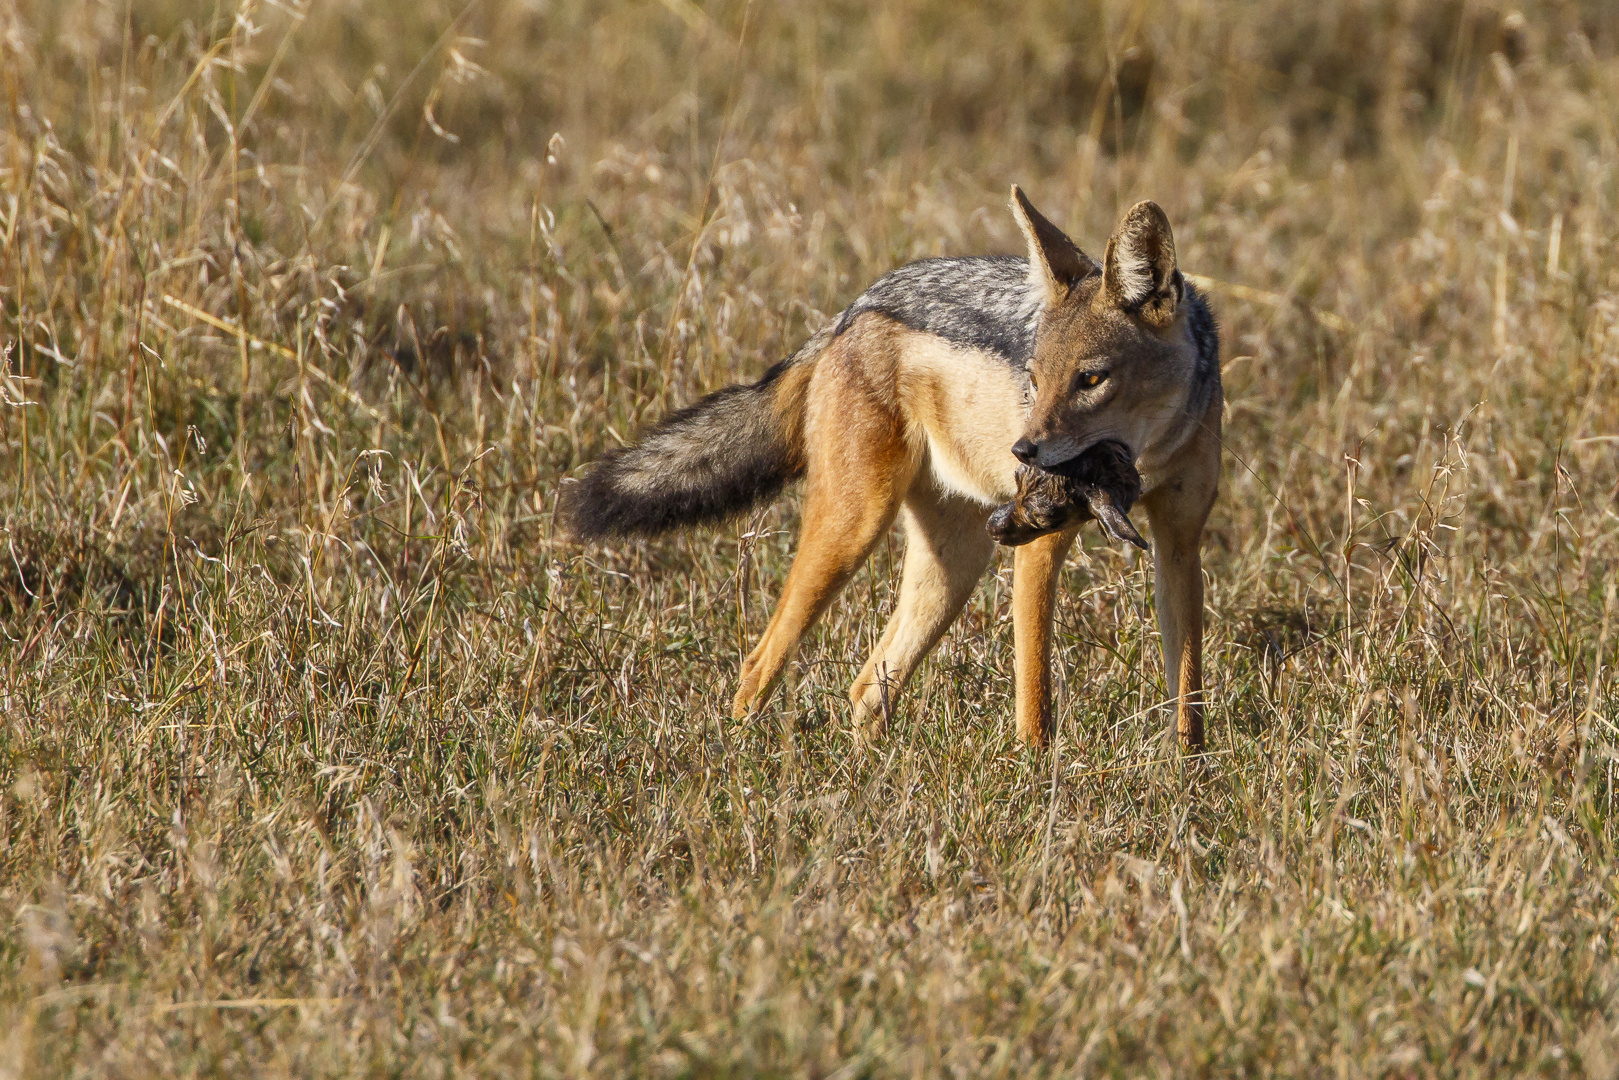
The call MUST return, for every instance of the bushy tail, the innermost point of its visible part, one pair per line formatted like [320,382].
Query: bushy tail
[728,452]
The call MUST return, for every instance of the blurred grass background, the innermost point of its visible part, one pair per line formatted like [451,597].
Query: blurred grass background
[324,754]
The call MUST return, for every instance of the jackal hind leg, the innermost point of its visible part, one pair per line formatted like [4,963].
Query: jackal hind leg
[857,477]
[946,551]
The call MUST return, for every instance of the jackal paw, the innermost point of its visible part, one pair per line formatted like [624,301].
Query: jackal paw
[873,708]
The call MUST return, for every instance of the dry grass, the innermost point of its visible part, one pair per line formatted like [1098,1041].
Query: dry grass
[323,754]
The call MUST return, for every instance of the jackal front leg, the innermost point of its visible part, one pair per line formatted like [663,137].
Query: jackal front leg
[1036,569]
[1177,539]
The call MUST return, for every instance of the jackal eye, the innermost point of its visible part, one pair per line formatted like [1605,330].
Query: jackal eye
[1090,380]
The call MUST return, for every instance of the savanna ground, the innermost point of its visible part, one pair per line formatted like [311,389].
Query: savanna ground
[325,753]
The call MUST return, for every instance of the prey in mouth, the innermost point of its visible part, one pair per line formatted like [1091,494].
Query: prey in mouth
[1101,483]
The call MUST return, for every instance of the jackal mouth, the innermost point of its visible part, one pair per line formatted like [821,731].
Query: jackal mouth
[1116,450]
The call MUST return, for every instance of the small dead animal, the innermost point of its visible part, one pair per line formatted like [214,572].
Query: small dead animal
[1101,483]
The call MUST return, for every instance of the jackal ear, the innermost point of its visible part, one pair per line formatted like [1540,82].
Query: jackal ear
[1138,271]
[1055,262]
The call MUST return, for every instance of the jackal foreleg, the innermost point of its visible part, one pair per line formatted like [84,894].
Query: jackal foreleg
[1177,538]
[1036,569]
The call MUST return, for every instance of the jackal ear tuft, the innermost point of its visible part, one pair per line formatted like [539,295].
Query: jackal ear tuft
[1139,273]
[1055,262]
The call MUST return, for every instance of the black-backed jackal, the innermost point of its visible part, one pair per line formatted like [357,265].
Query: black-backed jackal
[919,401]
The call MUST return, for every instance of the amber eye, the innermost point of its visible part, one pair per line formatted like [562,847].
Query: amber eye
[1090,380]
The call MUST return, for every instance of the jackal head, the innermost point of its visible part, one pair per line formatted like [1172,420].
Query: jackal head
[1113,358]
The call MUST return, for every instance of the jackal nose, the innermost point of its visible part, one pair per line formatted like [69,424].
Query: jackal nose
[1026,451]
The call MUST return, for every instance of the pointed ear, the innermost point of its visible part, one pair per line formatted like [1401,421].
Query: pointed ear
[1055,262]
[1138,271]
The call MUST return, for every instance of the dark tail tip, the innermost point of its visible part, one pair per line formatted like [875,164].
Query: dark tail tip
[701,465]
[616,499]
[600,506]
[577,523]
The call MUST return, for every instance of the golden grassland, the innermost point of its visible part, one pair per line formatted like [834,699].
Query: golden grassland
[324,752]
